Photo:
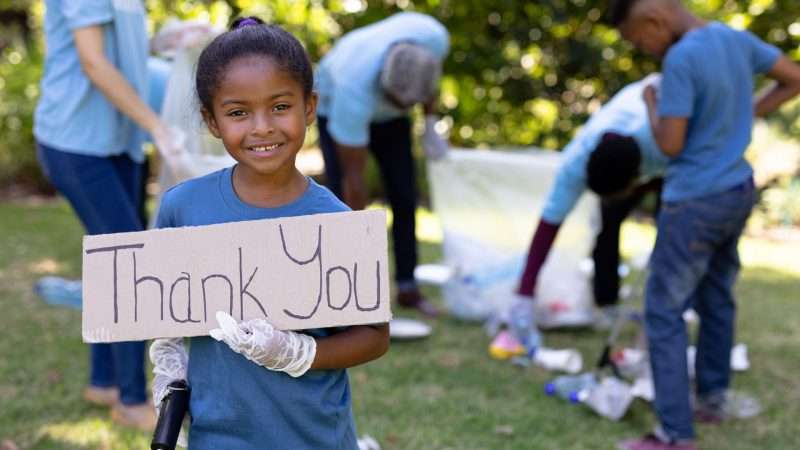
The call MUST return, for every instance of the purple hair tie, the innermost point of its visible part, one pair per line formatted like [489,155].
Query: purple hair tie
[246,22]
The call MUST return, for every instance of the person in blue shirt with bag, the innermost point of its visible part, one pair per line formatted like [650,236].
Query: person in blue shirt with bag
[367,83]
[702,120]
[615,156]
[89,144]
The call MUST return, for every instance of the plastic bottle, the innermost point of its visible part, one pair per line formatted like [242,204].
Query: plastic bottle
[60,291]
[523,325]
[731,405]
[571,387]
[610,398]
[740,405]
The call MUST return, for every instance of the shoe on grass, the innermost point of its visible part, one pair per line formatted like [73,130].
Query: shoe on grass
[413,298]
[141,416]
[727,405]
[652,442]
[102,396]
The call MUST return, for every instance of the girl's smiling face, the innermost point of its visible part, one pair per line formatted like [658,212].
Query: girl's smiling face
[260,113]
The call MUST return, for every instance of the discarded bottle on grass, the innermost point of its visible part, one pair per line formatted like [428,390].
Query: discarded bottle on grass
[610,397]
[574,388]
[729,405]
[60,291]
[740,405]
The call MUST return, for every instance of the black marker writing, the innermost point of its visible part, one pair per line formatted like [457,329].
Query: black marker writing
[114,249]
[136,282]
[378,282]
[188,279]
[328,284]
[243,289]
[318,256]
[230,286]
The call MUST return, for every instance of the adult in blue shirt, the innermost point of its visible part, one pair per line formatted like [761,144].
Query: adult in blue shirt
[89,146]
[367,83]
[614,155]
[702,120]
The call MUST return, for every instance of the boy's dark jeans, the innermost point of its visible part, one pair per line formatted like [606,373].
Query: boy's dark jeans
[694,264]
[390,144]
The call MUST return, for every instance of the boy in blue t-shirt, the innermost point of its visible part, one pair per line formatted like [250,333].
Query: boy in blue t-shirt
[702,121]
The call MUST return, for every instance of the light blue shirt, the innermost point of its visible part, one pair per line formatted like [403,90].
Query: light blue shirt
[624,114]
[72,114]
[158,72]
[235,403]
[708,78]
[348,77]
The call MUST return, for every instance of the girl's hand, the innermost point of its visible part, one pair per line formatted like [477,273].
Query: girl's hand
[260,342]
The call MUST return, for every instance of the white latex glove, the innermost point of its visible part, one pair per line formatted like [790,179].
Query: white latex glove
[434,145]
[171,145]
[170,141]
[260,342]
[170,361]
[176,35]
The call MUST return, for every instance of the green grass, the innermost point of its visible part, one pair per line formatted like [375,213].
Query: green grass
[440,393]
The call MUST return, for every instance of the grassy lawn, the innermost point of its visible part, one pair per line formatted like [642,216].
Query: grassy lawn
[440,393]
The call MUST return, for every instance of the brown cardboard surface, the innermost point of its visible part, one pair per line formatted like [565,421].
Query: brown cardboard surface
[302,272]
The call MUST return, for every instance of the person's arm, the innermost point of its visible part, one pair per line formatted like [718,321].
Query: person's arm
[541,243]
[786,74]
[668,132]
[431,107]
[102,73]
[354,346]
[569,185]
[294,352]
[349,116]
[353,163]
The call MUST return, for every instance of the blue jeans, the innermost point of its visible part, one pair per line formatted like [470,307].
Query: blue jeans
[106,195]
[694,264]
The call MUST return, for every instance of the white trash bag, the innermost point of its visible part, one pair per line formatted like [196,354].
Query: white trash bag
[488,203]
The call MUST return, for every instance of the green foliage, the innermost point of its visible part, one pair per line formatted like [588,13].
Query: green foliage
[518,74]
[20,70]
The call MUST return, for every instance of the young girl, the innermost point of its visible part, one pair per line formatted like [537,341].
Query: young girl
[255,88]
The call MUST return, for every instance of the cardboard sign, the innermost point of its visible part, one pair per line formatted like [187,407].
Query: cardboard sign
[297,272]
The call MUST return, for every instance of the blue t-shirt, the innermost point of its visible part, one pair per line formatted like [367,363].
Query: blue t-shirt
[625,114]
[708,78]
[235,403]
[72,114]
[158,73]
[348,77]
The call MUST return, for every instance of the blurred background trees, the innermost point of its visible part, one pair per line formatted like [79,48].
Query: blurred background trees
[520,73]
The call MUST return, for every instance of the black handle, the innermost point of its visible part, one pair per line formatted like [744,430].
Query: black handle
[173,409]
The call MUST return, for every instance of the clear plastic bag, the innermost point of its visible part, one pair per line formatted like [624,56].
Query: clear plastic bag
[488,203]
[202,152]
